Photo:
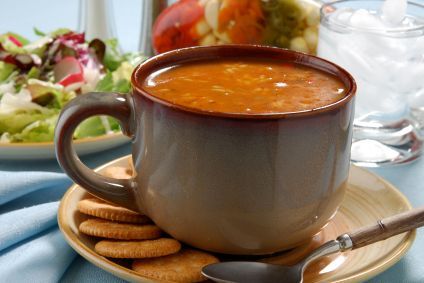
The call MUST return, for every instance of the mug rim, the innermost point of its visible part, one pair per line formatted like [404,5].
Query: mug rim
[199,53]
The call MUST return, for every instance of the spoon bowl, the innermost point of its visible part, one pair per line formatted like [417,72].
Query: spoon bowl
[252,272]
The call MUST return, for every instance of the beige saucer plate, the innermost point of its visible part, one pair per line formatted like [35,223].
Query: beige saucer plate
[45,150]
[368,199]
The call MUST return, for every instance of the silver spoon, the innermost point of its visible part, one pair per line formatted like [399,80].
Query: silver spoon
[258,272]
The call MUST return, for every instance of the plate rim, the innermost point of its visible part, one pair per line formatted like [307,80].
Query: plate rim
[397,254]
[128,274]
[46,150]
[82,249]
[51,143]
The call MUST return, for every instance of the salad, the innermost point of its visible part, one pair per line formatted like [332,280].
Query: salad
[38,78]
[289,24]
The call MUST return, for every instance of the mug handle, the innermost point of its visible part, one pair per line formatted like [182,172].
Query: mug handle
[119,191]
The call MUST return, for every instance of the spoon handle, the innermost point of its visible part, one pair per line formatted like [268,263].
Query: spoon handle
[387,228]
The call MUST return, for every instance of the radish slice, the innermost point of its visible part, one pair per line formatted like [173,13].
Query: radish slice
[15,40]
[74,86]
[68,71]
[72,79]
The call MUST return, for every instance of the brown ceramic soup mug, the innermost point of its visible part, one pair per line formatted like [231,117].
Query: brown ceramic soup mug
[237,183]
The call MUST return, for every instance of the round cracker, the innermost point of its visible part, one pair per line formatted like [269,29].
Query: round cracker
[184,266]
[137,249]
[117,172]
[131,168]
[121,231]
[99,208]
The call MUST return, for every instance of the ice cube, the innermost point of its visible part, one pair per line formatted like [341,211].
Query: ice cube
[376,99]
[355,60]
[417,49]
[416,100]
[381,48]
[393,11]
[342,16]
[362,18]
[408,78]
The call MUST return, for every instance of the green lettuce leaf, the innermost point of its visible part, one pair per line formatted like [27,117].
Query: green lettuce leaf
[48,94]
[105,84]
[38,131]
[123,72]
[134,58]
[122,86]
[5,70]
[59,31]
[34,73]
[39,32]
[16,121]
[121,77]
[113,57]
[109,84]
[93,127]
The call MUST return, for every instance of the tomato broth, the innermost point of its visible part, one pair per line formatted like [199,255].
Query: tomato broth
[245,86]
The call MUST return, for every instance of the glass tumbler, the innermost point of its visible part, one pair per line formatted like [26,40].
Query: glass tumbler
[387,62]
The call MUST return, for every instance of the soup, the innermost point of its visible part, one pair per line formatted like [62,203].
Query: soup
[246,86]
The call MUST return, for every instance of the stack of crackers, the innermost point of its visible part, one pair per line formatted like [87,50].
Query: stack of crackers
[125,234]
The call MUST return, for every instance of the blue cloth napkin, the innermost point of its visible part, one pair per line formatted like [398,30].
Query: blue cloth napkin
[32,249]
